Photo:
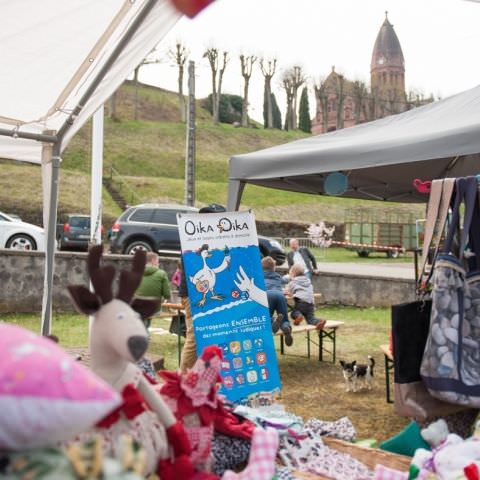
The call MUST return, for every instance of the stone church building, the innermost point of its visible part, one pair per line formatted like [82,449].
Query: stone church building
[341,103]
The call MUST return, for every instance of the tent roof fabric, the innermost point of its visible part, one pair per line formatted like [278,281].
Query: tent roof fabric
[380,158]
[51,53]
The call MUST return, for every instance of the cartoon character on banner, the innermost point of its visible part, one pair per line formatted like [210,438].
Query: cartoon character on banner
[205,279]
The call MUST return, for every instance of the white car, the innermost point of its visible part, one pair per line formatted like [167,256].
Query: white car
[20,235]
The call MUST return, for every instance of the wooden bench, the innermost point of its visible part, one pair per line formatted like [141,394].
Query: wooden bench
[317,297]
[388,369]
[329,332]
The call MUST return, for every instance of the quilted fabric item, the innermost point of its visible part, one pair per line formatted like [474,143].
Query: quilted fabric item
[261,462]
[385,473]
[342,428]
[46,396]
[229,453]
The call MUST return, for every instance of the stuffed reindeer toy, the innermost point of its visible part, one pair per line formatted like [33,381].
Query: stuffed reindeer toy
[118,338]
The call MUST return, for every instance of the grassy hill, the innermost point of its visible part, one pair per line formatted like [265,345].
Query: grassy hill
[149,153]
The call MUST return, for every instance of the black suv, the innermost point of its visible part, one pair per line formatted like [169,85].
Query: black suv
[154,227]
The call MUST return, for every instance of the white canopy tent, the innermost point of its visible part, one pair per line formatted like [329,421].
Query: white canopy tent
[61,61]
[381,158]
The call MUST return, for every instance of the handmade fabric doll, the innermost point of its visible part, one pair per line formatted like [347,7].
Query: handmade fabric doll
[192,396]
[193,399]
[118,338]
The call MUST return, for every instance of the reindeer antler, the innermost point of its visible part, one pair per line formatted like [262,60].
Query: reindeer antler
[101,277]
[130,280]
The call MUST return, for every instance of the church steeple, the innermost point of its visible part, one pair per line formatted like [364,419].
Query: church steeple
[387,68]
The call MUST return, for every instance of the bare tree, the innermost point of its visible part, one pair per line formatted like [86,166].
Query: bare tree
[179,55]
[287,83]
[340,92]
[360,98]
[373,105]
[268,71]
[152,57]
[246,65]
[212,55]
[135,82]
[112,106]
[321,96]
[298,79]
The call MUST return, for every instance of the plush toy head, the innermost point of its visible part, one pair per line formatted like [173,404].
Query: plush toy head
[436,433]
[117,321]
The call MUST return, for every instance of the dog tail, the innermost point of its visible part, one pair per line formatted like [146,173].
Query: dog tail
[372,363]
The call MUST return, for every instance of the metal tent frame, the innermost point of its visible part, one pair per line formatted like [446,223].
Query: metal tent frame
[51,159]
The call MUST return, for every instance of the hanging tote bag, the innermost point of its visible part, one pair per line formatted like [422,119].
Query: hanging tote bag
[451,362]
[411,322]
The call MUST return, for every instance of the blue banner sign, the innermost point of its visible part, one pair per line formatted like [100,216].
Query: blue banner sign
[229,303]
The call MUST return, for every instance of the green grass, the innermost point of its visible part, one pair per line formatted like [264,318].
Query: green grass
[343,255]
[21,193]
[149,153]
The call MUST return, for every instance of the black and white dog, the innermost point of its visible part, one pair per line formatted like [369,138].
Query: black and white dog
[358,375]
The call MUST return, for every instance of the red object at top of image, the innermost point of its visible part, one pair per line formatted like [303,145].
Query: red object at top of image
[422,186]
[191,7]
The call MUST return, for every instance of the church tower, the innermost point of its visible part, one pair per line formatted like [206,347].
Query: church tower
[387,71]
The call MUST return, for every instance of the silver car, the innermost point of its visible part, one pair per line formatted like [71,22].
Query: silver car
[20,235]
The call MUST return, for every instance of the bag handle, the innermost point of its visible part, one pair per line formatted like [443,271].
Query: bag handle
[466,191]
[437,213]
[474,234]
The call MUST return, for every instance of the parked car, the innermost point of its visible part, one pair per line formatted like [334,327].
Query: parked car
[153,227]
[20,235]
[74,233]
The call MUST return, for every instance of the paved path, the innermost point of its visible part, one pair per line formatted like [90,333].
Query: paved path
[393,270]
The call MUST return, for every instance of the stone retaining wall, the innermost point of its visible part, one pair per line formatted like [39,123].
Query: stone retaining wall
[21,282]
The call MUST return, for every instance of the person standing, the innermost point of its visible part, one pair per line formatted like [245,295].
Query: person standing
[155,281]
[189,350]
[302,256]
[154,284]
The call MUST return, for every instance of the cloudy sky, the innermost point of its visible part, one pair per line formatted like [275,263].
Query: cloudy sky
[440,41]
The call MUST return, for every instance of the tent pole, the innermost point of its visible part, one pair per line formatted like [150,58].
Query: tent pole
[50,241]
[235,191]
[51,231]
[15,132]
[96,178]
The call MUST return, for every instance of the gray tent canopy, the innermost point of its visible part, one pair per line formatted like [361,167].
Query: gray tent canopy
[381,158]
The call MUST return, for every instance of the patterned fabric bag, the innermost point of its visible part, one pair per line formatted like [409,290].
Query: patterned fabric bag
[451,362]
[411,321]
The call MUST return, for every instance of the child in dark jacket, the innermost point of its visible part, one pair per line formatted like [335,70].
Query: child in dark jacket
[276,300]
[301,289]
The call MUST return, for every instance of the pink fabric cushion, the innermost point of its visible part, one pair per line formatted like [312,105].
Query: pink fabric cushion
[46,396]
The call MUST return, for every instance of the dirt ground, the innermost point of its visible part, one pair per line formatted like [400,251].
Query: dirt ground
[316,389]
